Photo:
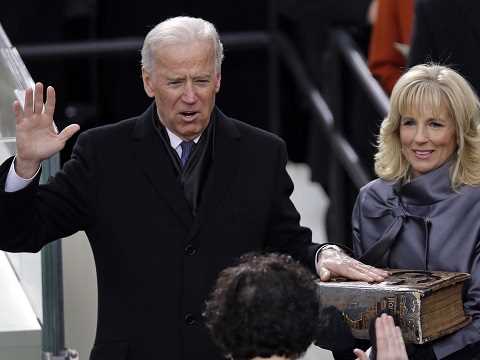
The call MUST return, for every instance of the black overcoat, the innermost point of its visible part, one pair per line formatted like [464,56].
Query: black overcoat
[155,262]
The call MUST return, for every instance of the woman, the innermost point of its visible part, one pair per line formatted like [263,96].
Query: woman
[424,210]
[265,307]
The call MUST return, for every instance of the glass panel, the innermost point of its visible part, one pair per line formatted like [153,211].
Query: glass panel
[14,79]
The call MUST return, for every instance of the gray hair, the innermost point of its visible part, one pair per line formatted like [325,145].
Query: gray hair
[181,29]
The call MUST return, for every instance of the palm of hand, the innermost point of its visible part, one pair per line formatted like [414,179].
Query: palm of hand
[37,137]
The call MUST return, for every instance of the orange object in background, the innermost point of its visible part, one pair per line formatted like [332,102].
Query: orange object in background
[390,41]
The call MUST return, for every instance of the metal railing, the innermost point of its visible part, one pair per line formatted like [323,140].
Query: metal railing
[341,148]
[357,64]
[126,46]
[53,330]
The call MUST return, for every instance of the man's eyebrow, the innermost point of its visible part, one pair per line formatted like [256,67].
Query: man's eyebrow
[202,76]
[175,78]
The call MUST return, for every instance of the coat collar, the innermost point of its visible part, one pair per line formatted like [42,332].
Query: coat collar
[152,157]
[427,189]
[223,170]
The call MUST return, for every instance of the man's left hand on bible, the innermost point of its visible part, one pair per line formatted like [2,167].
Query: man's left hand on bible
[333,262]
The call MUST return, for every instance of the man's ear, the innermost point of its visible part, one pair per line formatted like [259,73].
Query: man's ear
[218,80]
[147,83]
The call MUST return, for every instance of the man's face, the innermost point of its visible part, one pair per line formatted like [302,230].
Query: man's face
[184,82]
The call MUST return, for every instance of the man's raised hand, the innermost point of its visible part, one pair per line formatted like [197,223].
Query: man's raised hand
[37,137]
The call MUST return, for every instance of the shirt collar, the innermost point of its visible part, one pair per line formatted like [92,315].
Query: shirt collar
[175,140]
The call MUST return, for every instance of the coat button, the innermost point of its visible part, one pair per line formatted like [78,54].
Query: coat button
[190,319]
[190,250]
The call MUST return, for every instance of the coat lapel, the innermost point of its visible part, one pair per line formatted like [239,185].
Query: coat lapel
[222,172]
[151,155]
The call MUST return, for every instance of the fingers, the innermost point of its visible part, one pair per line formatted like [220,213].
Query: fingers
[34,102]
[68,132]
[17,110]
[371,271]
[381,333]
[390,344]
[50,103]
[324,274]
[356,270]
[360,354]
[338,263]
[28,106]
[38,99]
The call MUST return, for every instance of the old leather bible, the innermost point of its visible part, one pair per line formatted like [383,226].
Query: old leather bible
[426,305]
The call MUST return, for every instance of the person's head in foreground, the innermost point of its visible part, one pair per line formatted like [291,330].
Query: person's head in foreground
[434,118]
[265,307]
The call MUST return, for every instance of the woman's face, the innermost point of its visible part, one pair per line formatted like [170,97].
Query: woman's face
[427,141]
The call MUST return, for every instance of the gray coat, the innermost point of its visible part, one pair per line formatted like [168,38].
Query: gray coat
[435,228]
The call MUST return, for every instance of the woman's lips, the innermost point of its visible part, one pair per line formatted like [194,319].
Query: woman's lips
[422,154]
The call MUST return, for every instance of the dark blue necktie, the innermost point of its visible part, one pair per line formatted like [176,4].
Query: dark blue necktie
[187,147]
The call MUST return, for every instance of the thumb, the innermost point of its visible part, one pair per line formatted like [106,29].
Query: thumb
[68,132]
[360,354]
[324,274]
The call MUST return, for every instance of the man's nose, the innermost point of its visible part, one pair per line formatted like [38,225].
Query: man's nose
[189,95]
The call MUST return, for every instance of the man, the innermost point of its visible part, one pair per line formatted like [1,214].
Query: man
[167,199]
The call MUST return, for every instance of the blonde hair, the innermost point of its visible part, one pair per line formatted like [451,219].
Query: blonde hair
[427,88]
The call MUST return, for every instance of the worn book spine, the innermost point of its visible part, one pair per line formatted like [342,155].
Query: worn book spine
[424,312]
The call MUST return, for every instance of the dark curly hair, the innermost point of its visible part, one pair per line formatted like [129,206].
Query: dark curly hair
[264,306]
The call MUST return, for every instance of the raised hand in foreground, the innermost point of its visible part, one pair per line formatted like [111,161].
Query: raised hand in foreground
[390,345]
[37,137]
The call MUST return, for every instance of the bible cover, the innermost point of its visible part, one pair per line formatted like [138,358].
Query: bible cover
[425,305]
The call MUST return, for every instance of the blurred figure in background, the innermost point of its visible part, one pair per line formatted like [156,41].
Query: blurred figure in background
[391,32]
[448,32]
